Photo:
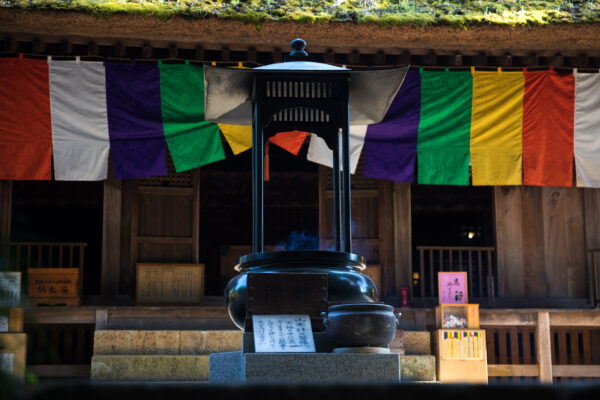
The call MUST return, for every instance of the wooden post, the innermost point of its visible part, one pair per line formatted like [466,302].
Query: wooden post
[111,237]
[543,346]
[101,320]
[402,236]
[5,214]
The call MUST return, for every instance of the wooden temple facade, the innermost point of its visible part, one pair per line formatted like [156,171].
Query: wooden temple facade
[533,253]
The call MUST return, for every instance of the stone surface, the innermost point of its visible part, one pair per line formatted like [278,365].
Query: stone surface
[417,342]
[226,368]
[122,342]
[397,345]
[150,368]
[305,368]
[417,368]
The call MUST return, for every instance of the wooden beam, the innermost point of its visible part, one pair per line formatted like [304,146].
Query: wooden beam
[576,371]
[513,370]
[575,318]
[111,237]
[62,315]
[60,370]
[544,347]
[507,317]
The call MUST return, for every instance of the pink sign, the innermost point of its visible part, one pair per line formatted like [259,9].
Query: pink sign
[452,287]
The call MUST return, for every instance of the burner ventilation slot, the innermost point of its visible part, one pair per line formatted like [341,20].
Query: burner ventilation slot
[301,114]
[300,89]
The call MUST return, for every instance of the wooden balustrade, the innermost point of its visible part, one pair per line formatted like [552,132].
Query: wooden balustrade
[46,255]
[476,261]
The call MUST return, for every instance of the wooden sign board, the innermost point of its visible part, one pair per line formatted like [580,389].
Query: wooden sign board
[53,282]
[287,293]
[10,288]
[173,284]
[452,287]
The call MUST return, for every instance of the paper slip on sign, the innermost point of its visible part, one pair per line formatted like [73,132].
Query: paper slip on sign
[283,334]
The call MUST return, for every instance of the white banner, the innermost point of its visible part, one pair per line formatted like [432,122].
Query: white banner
[320,153]
[79,122]
[587,129]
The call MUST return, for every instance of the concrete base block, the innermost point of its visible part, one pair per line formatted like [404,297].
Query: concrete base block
[116,342]
[417,342]
[418,368]
[150,368]
[304,368]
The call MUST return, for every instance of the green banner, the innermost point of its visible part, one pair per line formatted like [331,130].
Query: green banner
[444,128]
[192,141]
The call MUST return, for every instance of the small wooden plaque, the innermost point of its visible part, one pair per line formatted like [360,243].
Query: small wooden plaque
[53,282]
[173,284]
[287,294]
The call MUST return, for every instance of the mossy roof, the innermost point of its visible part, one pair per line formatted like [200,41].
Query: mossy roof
[459,13]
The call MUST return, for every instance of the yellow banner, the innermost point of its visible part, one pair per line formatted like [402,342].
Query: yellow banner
[497,128]
[239,137]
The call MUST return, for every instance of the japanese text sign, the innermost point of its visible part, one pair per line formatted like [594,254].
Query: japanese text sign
[283,334]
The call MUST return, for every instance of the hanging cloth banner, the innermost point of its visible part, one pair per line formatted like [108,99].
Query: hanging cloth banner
[548,128]
[289,141]
[239,137]
[79,122]
[134,120]
[444,128]
[25,130]
[192,141]
[587,129]
[496,128]
[391,146]
[320,153]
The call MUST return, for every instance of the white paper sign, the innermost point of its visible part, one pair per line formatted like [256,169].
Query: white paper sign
[3,323]
[10,288]
[7,363]
[282,334]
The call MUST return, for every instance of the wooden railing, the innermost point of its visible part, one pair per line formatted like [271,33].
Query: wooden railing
[476,261]
[46,255]
[542,345]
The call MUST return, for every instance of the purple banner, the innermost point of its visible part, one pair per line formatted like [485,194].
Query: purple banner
[391,146]
[135,128]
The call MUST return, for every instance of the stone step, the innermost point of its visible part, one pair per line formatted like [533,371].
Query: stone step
[150,368]
[416,342]
[418,368]
[117,342]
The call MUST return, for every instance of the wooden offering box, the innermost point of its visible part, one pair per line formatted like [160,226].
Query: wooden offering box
[173,284]
[54,286]
[457,316]
[461,355]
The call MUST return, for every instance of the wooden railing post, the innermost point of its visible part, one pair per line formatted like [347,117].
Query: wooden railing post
[543,346]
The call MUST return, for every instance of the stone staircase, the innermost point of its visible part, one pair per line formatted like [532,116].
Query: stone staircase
[171,355]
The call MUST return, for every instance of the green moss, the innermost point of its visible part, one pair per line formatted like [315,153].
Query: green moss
[455,13]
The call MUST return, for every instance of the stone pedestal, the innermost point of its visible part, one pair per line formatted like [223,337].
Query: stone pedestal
[304,368]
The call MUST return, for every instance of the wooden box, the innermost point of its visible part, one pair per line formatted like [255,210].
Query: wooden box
[457,316]
[13,350]
[54,286]
[461,355]
[169,284]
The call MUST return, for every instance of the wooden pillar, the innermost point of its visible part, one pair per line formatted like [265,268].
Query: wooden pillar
[5,213]
[591,220]
[402,235]
[111,237]
[543,346]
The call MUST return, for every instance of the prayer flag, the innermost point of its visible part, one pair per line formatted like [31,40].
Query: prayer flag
[79,122]
[391,146]
[290,141]
[587,129]
[496,128]
[444,128]
[548,128]
[134,120]
[320,153]
[192,141]
[239,137]
[25,130]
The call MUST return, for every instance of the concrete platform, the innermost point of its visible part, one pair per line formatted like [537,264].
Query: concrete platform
[129,342]
[150,368]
